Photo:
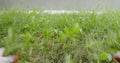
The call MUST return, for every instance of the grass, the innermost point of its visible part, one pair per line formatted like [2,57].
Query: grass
[60,38]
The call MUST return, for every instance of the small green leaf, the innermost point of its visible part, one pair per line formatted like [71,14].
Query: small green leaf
[76,27]
[67,59]
[109,56]
[103,56]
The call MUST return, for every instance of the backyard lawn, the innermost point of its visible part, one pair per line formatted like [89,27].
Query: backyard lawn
[38,37]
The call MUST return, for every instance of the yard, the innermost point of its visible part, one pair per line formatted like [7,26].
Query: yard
[81,37]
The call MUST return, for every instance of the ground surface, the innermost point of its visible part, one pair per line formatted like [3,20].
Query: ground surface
[39,37]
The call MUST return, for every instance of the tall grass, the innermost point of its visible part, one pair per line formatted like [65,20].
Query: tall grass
[60,38]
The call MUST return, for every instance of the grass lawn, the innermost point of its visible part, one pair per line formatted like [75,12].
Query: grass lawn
[39,37]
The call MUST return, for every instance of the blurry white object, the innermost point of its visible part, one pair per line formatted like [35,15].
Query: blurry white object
[8,59]
[60,11]
[65,11]
[2,51]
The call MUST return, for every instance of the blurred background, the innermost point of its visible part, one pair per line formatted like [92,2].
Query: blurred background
[61,4]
